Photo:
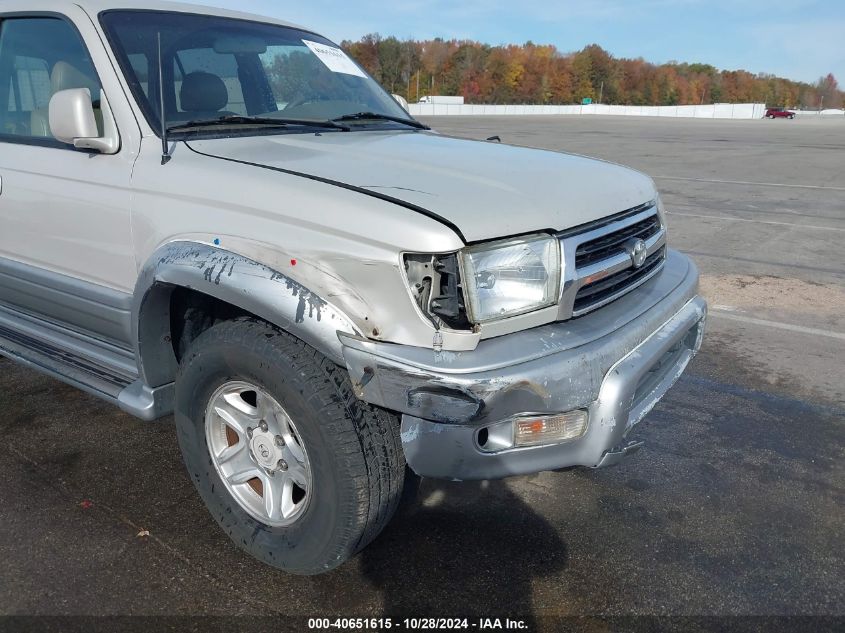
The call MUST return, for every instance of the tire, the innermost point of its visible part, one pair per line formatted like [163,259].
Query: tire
[353,450]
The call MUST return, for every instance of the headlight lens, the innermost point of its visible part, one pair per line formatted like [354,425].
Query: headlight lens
[511,277]
[661,213]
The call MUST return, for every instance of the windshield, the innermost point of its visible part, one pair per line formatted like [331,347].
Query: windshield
[215,68]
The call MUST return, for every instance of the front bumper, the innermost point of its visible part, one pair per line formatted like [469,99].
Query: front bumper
[616,363]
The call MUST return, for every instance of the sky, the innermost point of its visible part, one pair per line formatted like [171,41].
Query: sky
[797,39]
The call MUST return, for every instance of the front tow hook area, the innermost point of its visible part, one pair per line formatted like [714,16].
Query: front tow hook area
[616,455]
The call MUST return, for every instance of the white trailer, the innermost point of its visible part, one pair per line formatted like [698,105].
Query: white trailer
[442,100]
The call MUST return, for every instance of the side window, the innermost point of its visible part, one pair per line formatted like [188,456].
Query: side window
[39,57]
[206,72]
[32,77]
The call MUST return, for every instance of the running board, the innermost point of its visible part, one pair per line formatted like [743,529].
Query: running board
[61,364]
[99,368]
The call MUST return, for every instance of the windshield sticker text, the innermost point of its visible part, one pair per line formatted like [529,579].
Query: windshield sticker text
[335,59]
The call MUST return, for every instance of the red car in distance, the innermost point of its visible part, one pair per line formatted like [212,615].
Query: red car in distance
[779,113]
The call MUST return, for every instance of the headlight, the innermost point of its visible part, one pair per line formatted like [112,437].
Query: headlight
[661,213]
[511,277]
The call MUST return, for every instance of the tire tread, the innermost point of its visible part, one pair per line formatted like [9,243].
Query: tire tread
[365,439]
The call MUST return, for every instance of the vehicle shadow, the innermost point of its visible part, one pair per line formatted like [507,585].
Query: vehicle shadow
[463,550]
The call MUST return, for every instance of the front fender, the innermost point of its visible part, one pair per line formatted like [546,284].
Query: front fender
[236,280]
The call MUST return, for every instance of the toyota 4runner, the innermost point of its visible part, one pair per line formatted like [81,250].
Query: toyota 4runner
[224,218]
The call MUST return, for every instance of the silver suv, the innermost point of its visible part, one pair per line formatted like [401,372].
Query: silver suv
[224,218]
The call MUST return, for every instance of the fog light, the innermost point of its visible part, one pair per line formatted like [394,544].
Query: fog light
[549,430]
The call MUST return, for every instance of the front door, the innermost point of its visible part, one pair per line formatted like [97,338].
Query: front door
[65,241]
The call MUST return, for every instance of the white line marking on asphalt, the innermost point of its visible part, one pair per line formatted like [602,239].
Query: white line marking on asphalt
[755,184]
[731,316]
[723,217]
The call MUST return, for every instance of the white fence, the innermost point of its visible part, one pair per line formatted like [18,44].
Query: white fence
[817,113]
[716,111]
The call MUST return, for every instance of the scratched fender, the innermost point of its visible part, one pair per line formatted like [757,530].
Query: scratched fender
[235,279]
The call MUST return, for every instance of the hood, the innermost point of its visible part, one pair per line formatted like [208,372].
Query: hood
[487,190]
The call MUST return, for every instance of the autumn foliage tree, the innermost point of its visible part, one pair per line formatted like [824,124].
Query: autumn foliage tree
[828,91]
[540,74]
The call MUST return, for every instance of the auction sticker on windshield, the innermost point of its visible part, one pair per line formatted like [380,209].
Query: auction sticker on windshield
[335,59]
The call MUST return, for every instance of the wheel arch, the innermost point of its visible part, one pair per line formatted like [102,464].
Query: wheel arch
[234,280]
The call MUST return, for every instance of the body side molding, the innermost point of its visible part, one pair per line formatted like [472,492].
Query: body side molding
[76,303]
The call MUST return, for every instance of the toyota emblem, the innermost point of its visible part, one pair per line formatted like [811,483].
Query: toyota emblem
[637,251]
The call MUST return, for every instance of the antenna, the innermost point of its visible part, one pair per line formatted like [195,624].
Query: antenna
[165,147]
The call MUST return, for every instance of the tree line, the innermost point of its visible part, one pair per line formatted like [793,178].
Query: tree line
[541,74]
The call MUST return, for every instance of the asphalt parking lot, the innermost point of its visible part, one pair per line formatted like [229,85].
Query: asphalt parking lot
[735,507]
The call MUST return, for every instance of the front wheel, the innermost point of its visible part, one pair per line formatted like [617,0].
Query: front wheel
[294,468]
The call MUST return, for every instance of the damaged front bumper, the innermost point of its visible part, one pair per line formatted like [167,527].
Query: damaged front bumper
[615,363]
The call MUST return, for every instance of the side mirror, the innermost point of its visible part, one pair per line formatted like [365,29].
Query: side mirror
[72,121]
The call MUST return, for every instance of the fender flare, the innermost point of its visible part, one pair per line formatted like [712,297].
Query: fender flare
[236,280]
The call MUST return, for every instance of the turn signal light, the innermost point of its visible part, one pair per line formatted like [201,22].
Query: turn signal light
[549,430]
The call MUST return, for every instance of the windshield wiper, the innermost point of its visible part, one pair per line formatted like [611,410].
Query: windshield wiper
[363,116]
[257,120]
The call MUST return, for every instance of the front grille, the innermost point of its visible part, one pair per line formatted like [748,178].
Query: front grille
[593,294]
[611,244]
